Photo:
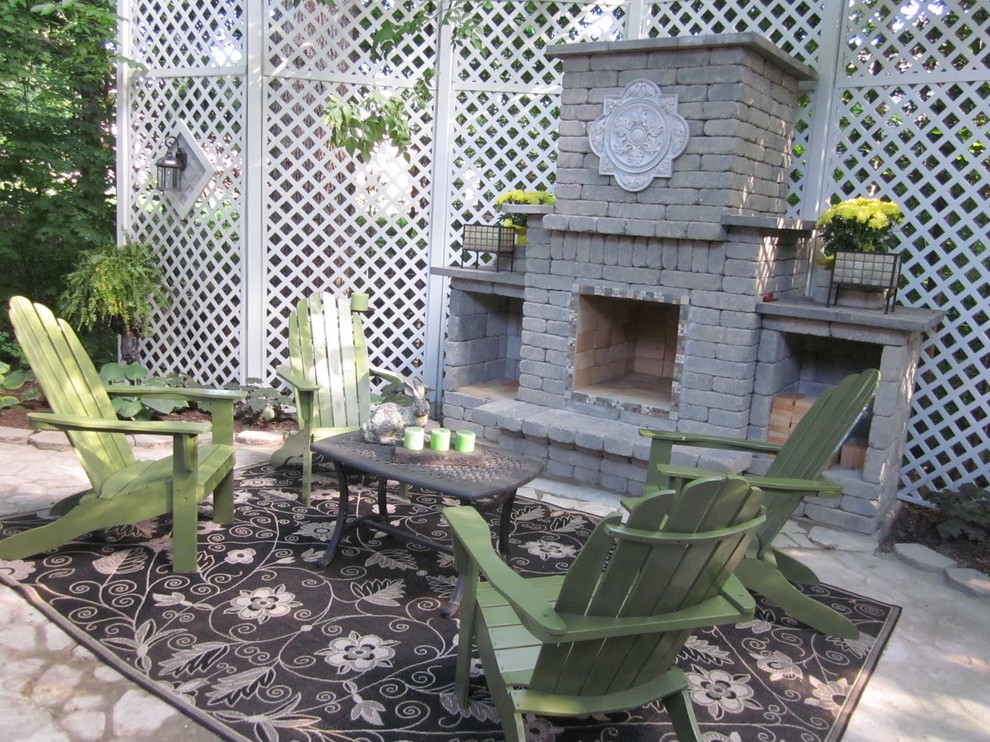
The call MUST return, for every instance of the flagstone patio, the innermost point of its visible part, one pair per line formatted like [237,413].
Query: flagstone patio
[929,684]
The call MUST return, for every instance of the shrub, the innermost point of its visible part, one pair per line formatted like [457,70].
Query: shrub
[964,512]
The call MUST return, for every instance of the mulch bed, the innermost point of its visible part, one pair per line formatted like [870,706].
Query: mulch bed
[917,524]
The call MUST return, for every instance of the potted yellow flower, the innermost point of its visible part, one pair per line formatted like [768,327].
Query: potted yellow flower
[860,248]
[860,225]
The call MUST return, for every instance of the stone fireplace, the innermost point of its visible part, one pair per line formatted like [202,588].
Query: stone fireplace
[639,301]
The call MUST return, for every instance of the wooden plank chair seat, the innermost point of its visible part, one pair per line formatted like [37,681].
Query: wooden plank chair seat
[604,636]
[329,373]
[124,490]
[795,472]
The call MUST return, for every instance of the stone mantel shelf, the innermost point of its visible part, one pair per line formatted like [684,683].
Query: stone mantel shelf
[904,320]
[752,41]
[501,283]
[768,224]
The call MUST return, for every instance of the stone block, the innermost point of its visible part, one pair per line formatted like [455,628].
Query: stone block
[840,519]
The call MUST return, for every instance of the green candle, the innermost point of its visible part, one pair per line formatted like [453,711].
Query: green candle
[413,438]
[464,441]
[440,439]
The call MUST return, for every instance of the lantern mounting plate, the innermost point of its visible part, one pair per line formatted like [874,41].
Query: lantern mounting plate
[198,173]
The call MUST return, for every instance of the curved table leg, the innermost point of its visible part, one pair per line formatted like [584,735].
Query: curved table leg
[342,507]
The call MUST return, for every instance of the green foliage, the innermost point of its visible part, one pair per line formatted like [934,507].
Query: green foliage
[262,403]
[116,285]
[11,381]
[56,113]
[141,408]
[10,351]
[965,512]
[360,124]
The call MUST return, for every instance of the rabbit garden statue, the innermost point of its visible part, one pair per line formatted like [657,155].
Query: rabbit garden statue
[387,421]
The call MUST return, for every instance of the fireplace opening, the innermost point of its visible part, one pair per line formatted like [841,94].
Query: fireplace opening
[626,351]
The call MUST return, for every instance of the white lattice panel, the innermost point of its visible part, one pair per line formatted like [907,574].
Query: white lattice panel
[310,39]
[334,224]
[199,333]
[919,138]
[888,39]
[181,35]
[793,25]
[524,30]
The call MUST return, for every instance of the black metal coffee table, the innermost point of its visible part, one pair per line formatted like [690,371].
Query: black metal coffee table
[490,480]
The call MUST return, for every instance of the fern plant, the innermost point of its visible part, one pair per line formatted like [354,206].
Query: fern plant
[117,286]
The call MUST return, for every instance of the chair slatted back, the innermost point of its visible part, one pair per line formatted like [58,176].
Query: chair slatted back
[814,441]
[675,551]
[328,347]
[71,385]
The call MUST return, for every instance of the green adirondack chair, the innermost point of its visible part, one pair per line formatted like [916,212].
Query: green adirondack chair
[604,636]
[124,490]
[796,471]
[329,372]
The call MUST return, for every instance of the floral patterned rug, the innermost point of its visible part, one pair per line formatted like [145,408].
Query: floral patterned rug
[264,645]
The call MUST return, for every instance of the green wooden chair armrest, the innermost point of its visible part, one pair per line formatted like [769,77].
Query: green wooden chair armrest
[816,487]
[171,392]
[710,441]
[471,532]
[52,421]
[296,379]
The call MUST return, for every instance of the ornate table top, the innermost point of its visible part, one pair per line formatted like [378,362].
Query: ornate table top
[493,473]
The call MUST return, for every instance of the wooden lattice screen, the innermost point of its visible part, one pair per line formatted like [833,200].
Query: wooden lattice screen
[900,111]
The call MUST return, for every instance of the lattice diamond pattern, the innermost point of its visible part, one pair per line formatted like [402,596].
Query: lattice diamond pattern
[199,333]
[171,35]
[316,41]
[335,225]
[793,25]
[504,142]
[887,39]
[524,30]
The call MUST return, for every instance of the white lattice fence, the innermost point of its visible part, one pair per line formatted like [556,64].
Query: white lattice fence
[912,124]
[332,223]
[908,121]
[188,51]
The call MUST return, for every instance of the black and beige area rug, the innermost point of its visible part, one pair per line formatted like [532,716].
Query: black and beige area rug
[264,645]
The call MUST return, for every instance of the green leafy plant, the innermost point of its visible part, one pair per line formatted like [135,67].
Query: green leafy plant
[965,513]
[861,225]
[10,351]
[358,125]
[117,285]
[11,381]
[141,408]
[262,403]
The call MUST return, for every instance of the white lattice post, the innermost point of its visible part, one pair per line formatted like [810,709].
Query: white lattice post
[829,56]
[635,15]
[443,134]
[125,44]
[255,324]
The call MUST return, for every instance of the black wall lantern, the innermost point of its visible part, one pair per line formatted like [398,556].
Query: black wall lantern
[170,166]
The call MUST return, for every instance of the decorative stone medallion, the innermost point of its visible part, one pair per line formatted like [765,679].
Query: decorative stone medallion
[638,135]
